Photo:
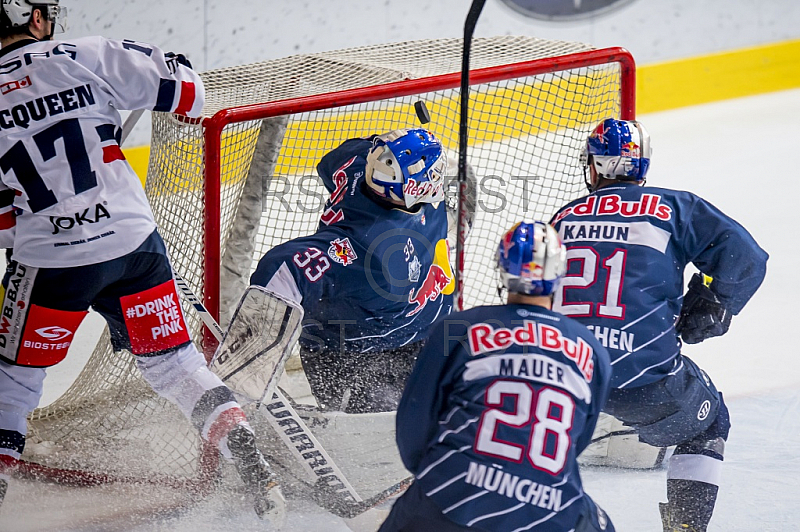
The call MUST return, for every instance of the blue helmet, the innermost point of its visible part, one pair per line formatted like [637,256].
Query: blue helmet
[617,149]
[531,259]
[407,166]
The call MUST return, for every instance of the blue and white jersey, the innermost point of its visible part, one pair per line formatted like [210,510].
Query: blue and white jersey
[627,250]
[501,402]
[372,277]
[77,200]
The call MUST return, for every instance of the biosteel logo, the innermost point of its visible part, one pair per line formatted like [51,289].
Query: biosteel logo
[53,333]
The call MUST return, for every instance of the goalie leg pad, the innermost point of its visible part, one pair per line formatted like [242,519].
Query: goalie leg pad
[259,339]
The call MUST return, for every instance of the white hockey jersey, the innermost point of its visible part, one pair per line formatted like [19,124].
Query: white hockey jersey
[76,198]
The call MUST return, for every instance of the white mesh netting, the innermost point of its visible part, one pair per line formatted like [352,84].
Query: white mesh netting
[526,132]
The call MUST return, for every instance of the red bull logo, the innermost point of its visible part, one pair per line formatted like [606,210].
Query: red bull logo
[508,240]
[431,287]
[342,252]
[629,149]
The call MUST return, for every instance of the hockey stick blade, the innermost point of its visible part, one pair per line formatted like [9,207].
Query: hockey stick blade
[347,509]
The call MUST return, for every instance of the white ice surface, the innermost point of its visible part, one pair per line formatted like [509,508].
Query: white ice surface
[740,155]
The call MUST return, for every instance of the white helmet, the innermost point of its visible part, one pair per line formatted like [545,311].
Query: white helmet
[17,13]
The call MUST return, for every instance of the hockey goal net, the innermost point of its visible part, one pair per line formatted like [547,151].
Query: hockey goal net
[228,188]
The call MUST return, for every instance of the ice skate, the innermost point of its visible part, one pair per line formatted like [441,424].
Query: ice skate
[256,474]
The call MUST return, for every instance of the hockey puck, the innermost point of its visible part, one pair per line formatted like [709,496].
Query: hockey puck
[422,112]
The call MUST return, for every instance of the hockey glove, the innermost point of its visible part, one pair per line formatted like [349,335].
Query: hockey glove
[702,314]
[178,58]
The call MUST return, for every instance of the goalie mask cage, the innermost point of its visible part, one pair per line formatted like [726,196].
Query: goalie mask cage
[218,199]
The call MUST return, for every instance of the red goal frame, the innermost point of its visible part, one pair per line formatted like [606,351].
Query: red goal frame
[214,126]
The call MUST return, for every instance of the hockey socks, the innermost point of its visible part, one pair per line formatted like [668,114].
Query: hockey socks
[692,485]
[254,471]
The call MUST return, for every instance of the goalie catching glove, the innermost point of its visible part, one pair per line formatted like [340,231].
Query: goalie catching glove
[702,314]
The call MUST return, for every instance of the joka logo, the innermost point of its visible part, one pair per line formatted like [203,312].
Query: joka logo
[53,333]
[65,223]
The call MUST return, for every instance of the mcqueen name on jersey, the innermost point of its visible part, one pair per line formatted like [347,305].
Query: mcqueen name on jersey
[613,205]
[43,107]
[483,338]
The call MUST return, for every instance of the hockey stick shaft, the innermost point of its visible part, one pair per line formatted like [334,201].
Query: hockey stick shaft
[285,420]
[129,123]
[463,134]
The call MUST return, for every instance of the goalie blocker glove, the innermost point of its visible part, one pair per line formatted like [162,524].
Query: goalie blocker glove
[702,314]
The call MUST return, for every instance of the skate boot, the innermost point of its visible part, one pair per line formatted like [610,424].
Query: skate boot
[254,471]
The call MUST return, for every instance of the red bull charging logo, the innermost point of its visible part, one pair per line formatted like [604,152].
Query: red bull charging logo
[431,287]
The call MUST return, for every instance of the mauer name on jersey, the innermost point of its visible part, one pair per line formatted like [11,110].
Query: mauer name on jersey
[514,487]
[38,109]
[483,338]
[614,205]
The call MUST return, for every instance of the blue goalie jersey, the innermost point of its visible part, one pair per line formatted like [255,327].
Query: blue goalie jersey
[627,250]
[501,402]
[372,277]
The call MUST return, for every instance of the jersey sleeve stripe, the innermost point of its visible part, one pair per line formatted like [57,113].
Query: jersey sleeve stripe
[186,98]
[166,95]
[112,153]
[8,220]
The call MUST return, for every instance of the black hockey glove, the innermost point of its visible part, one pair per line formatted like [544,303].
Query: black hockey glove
[702,314]
[177,58]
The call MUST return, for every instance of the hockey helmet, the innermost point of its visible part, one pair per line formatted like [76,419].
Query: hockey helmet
[407,166]
[617,149]
[17,13]
[531,259]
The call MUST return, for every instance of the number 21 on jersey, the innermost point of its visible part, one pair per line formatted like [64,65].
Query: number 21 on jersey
[590,262]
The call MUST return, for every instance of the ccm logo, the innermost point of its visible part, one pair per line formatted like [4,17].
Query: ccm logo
[53,333]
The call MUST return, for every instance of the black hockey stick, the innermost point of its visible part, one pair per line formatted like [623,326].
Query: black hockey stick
[338,497]
[469,28]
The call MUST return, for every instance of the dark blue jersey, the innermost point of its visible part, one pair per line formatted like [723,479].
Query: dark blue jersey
[627,250]
[373,277]
[501,402]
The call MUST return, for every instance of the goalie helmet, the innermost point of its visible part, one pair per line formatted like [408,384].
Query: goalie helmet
[407,166]
[531,259]
[617,149]
[17,13]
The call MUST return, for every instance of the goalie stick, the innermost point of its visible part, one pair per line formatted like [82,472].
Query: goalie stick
[329,487]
